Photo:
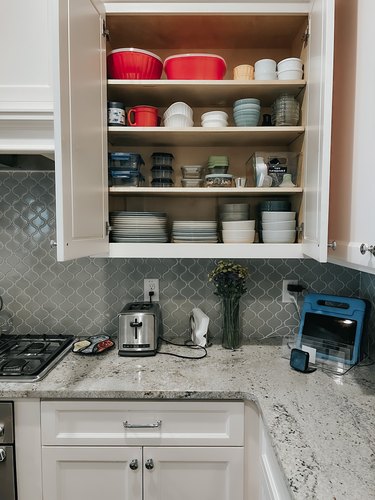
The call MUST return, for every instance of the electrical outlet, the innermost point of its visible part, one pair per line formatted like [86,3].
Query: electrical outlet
[287,296]
[151,285]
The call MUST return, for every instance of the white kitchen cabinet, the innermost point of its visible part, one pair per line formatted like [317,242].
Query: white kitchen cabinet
[26,89]
[272,484]
[161,450]
[352,187]
[239,31]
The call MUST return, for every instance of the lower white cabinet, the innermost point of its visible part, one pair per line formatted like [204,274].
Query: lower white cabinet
[142,450]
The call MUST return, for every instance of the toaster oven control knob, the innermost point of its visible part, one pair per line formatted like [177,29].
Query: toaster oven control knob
[3,455]
[149,464]
[134,464]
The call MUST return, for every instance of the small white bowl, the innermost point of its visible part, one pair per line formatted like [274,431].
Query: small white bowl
[180,108]
[290,74]
[279,225]
[279,236]
[215,115]
[214,123]
[265,65]
[277,216]
[269,75]
[244,236]
[178,121]
[239,225]
[290,63]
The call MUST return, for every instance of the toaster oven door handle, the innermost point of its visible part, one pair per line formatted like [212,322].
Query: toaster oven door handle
[142,426]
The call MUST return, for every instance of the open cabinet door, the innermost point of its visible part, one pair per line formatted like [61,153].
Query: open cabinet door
[80,138]
[318,129]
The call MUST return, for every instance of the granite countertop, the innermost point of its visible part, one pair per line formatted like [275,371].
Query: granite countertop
[321,425]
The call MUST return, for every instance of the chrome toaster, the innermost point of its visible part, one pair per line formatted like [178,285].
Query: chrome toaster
[139,329]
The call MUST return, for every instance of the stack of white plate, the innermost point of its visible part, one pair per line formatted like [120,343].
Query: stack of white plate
[234,211]
[138,227]
[192,231]
[279,227]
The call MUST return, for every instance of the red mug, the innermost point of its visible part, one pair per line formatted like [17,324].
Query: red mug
[144,116]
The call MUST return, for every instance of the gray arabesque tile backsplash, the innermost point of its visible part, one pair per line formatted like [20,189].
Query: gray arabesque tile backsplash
[84,296]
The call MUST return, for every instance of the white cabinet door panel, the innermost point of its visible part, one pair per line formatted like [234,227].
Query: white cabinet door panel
[318,129]
[194,473]
[81,148]
[77,473]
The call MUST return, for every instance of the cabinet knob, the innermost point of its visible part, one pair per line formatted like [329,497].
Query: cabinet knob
[149,464]
[134,464]
[367,248]
[53,244]
[2,430]
[3,455]
[332,245]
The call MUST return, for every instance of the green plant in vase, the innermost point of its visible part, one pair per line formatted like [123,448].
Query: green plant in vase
[230,282]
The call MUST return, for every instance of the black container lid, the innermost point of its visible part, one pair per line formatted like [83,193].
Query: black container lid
[167,155]
[116,104]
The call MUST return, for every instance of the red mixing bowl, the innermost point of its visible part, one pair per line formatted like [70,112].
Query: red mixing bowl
[195,67]
[134,64]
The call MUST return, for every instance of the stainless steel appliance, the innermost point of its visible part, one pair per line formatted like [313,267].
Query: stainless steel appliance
[140,328]
[28,358]
[7,463]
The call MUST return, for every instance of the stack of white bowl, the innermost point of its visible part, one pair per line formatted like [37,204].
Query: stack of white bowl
[265,69]
[178,115]
[290,69]
[242,231]
[279,227]
[234,212]
[214,119]
[246,112]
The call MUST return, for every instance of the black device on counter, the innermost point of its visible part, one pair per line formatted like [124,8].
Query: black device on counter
[299,360]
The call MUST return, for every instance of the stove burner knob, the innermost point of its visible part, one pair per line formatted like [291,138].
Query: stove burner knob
[3,455]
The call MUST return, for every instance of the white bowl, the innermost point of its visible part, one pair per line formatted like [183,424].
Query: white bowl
[180,108]
[290,74]
[277,216]
[279,236]
[215,115]
[238,236]
[214,123]
[290,63]
[279,225]
[269,75]
[178,121]
[238,225]
[265,65]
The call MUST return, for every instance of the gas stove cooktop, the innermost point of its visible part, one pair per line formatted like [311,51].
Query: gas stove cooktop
[28,358]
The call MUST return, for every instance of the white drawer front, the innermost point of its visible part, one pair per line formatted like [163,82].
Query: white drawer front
[148,423]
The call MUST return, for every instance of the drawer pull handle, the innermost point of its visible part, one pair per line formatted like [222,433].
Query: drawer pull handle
[149,464]
[134,464]
[142,426]
[2,430]
[3,455]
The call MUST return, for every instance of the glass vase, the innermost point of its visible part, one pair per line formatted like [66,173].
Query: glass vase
[232,336]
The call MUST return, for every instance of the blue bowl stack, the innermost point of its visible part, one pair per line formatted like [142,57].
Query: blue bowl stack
[246,112]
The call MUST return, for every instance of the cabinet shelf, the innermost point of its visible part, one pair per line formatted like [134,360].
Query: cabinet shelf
[212,250]
[200,93]
[200,136]
[202,191]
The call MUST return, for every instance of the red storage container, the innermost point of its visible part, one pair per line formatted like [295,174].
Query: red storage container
[195,67]
[134,64]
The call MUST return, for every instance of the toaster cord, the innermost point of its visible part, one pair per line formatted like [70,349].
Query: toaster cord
[189,346]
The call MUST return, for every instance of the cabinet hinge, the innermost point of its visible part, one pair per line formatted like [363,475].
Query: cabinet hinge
[105,31]
[305,37]
[107,228]
[300,228]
